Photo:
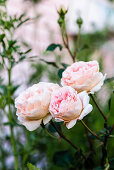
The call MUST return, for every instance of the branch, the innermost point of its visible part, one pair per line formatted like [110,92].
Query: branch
[100,111]
[93,133]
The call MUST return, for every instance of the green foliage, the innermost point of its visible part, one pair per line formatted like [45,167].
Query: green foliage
[62,158]
[37,147]
[52,47]
[32,167]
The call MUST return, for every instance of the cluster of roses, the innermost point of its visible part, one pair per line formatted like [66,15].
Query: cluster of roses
[69,103]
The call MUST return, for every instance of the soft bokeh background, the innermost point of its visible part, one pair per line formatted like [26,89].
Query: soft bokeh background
[98,34]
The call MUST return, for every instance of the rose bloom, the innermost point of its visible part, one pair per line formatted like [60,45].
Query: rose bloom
[68,106]
[33,105]
[83,76]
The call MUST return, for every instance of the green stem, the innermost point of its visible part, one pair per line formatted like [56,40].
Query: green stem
[62,136]
[49,134]
[78,40]
[10,120]
[66,42]
[100,111]
[93,133]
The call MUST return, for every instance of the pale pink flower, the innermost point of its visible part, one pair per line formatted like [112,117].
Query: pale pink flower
[33,105]
[83,76]
[68,106]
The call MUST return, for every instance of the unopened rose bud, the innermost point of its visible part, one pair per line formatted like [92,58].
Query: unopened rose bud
[79,21]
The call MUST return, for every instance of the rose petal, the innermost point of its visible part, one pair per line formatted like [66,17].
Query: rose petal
[71,123]
[99,85]
[47,119]
[59,120]
[86,110]
[84,98]
[32,125]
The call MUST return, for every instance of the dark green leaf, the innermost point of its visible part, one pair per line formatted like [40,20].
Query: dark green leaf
[22,22]
[50,63]
[62,158]
[2,37]
[111,162]
[109,80]
[52,47]
[60,72]
[99,168]
[22,58]
[3,89]
[64,65]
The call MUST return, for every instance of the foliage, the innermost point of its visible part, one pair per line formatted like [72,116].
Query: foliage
[45,145]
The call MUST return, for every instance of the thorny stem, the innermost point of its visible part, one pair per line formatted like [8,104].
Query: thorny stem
[93,133]
[10,120]
[100,111]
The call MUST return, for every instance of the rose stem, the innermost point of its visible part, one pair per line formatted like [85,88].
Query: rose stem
[89,139]
[104,148]
[62,136]
[10,120]
[44,128]
[98,108]
[65,138]
[93,133]
[66,43]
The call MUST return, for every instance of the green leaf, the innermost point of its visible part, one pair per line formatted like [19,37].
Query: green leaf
[52,47]
[2,37]
[50,63]
[111,162]
[64,65]
[21,58]
[108,80]
[3,89]
[32,167]
[60,72]
[22,22]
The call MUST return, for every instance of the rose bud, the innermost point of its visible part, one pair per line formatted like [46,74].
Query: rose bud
[83,76]
[33,105]
[68,106]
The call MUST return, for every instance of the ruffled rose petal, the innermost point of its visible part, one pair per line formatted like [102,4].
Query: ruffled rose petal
[86,110]
[32,125]
[59,120]
[84,98]
[83,76]
[71,123]
[47,119]
[99,85]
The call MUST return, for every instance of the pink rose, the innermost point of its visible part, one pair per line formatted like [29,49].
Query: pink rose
[68,106]
[83,76]
[33,105]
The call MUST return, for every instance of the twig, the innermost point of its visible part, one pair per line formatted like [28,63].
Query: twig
[100,111]
[93,133]
[62,136]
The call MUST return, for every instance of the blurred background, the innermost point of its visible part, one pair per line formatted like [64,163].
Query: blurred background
[97,38]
